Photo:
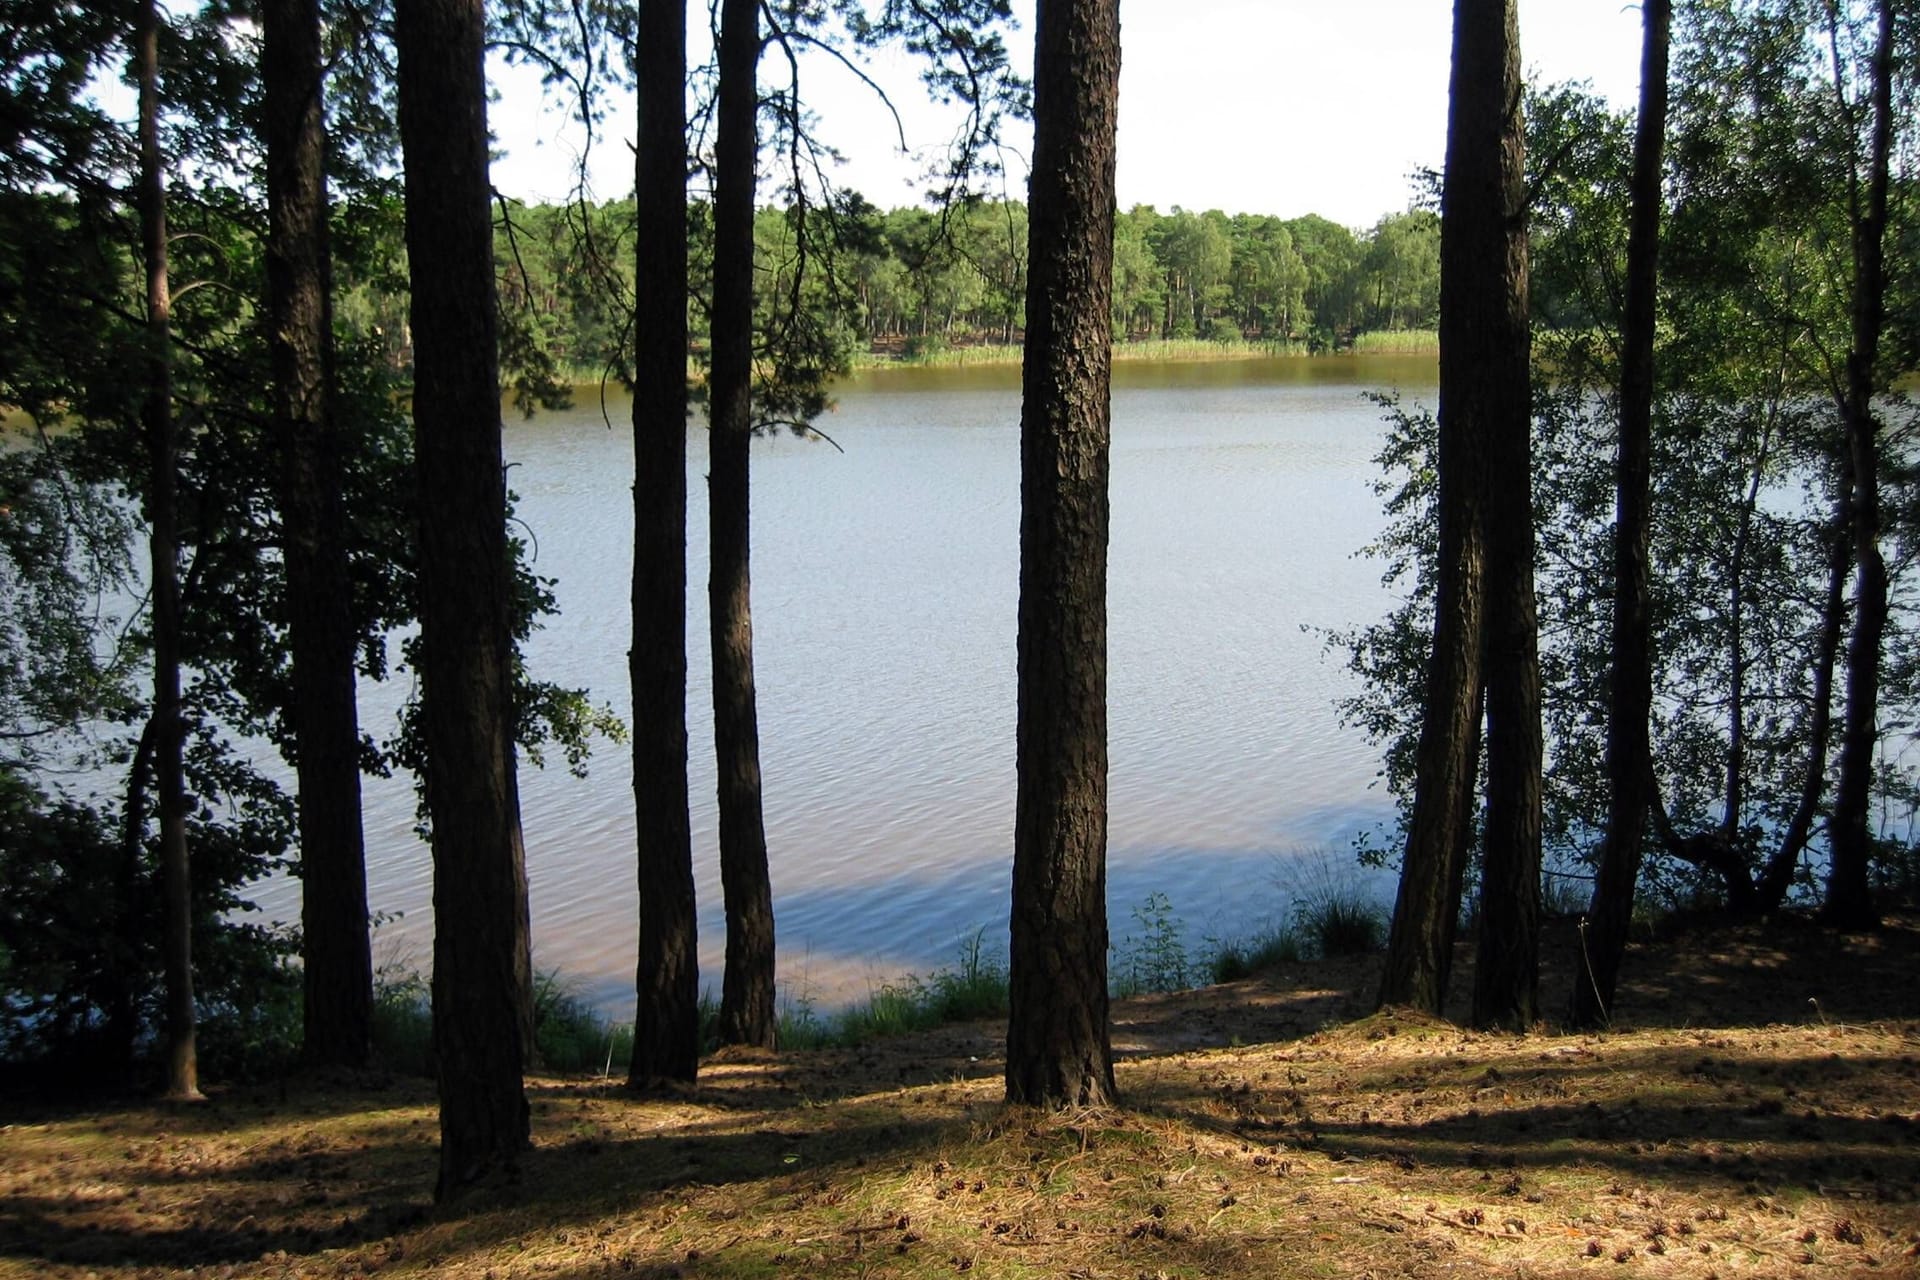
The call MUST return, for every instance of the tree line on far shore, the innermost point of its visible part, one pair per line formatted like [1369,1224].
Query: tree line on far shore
[915,282]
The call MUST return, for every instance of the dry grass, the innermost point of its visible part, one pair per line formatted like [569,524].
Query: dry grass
[1391,1145]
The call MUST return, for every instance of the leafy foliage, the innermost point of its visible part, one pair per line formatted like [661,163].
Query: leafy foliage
[1748,466]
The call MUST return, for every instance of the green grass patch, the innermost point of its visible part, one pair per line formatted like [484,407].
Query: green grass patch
[572,1037]
[1263,952]
[973,989]
[1397,342]
[936,353]
[402,1021]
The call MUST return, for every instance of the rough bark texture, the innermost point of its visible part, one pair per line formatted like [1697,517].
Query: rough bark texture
[1849,901]
[479,873]
[1474,341]
[337,974]
[1507,968]
[747,1014]
[666,1033]
[1058,1049]
[176,880]
[1630,694]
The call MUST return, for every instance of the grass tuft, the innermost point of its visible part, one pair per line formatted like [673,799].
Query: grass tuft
[1237,958]
[1333,915]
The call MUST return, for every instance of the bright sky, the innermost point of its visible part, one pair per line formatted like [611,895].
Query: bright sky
[1251,106]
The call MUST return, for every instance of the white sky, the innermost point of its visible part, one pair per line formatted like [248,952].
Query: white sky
[1251,106]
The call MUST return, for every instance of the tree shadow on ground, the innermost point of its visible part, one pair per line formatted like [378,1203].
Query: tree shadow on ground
[176,1201]
[1840,1124]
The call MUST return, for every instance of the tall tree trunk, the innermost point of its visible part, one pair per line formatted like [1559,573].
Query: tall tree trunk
[1849,902]
[1058,1048]
[1474,338]
[183,1064]
[747,1014]
[479,865]
[337,977]
[666,1034]
[1629,748]
[1507,968]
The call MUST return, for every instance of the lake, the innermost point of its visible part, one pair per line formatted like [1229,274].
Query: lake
[885,576]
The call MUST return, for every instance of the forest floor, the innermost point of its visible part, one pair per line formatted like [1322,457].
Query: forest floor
[1754,1112]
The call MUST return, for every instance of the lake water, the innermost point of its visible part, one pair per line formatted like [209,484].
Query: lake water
[885,579]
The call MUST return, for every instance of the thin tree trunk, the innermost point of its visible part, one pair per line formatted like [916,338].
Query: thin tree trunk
[1507,968]
[1849,903]
[1473,320]
[1058,1048]
[479,865]
[183,1066]
[747,1013]
[1734,800]
[337,975]
[1629,747]
[666,1033]
[128,974]
[1777,878]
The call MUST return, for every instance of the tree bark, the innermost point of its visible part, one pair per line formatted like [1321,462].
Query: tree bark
[337,978]
[1629,747]
[666,1034]
[1473,340]
[479,867]
[747,1013]
[176,879]
[1849,903]
[1058,1048]
[1507,968]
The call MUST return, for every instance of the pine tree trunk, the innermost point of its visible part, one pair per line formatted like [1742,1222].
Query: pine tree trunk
[1629,748]
[747,1013]
[479,868]
[1475,338]
[1058,1048]
[337,973]
[666,1033]
[1507,968]
[1849,903]
[176,879]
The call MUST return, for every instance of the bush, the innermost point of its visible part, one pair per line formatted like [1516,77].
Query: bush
[80,929]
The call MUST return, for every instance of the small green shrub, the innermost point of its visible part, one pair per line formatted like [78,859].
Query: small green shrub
[1155,959]
[924,346]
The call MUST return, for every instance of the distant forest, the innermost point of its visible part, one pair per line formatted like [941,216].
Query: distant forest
[915,282]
